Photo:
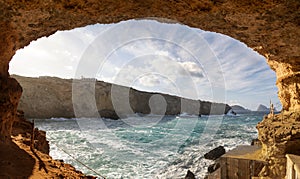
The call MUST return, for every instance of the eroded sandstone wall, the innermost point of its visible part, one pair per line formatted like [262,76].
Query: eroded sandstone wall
[271,27]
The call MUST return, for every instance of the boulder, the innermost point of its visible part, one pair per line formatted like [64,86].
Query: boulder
[215,153]
[107,113]
[189,175]
[213,167]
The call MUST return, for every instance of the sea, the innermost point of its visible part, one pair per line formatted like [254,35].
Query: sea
[147,146]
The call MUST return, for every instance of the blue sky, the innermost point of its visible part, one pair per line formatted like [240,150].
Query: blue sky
[153,56]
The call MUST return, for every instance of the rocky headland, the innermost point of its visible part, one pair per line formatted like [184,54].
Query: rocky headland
[239,109]
[47,97]
[269,27]
[262,108]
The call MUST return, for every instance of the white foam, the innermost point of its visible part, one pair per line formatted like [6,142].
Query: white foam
[122,152]
[188,115]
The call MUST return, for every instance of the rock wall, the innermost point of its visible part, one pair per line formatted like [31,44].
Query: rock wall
[48,97]
[279,135]
[10,93]
[27,157]
[271,27]
[23,128]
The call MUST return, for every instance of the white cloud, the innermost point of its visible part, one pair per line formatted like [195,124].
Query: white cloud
[162,52]
[193,68]
[69,67]
[149,80]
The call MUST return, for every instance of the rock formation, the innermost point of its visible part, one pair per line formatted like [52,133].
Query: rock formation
[269,27]
[48,97]
[215,153]
[25,129]
[20,158]
[262,108]
[239,109]
[189,175]
[279,135]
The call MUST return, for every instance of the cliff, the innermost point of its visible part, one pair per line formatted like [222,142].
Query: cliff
[269,27]
[47,97]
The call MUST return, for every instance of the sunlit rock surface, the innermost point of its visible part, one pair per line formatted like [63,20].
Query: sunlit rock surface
[48,97]
[280,135]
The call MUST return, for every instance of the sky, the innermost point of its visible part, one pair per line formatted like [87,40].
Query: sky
[154,56]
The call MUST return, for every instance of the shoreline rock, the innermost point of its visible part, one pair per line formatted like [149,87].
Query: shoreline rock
[20,160]
[215,153]
[189,175]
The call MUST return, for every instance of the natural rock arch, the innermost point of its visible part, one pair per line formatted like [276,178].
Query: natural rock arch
[270,27]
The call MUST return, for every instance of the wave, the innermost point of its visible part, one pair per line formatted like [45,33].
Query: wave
[188,115]
[164,150]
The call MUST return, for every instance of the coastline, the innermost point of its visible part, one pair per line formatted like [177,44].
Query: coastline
[47,97]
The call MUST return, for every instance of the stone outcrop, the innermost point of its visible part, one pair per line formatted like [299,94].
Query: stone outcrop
[279,135]
[213,167]
[47,97]
[270,27]
[25,129]
[240,109]
[215,153]
[27,157]
[262,108]
[10,93]
[189,175]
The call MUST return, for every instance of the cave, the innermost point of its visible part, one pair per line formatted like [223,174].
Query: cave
[269,27]
[137,64]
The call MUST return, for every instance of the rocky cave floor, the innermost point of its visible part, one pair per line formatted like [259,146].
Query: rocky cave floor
[18,160]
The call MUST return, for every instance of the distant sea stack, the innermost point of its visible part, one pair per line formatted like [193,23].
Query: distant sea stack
[47,97]
[239,109]
[263,108]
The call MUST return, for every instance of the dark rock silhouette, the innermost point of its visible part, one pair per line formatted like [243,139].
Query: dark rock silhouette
[215,153]
[106,113]
[189,175]
[213,167]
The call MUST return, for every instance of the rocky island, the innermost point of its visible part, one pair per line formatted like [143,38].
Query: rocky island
[262,108]
[239,109]
[269,27]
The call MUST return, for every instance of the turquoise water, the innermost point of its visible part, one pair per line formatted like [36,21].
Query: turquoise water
[146,147]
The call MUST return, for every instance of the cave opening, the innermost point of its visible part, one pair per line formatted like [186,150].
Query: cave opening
[158,57]
[269,27]
[60,54]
